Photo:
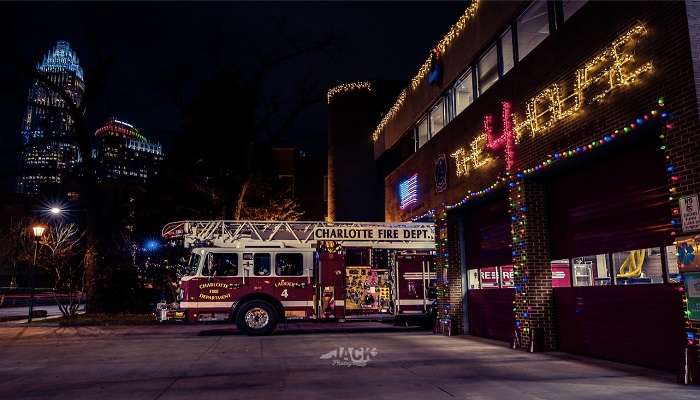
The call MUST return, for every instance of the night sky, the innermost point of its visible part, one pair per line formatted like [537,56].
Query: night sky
[372,41]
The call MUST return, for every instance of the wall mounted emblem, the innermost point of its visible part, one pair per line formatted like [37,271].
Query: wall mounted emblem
[440,173]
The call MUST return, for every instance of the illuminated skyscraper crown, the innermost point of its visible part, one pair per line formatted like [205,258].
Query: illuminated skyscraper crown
[61,57]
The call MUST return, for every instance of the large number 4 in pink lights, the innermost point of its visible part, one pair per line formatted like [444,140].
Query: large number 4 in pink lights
[506,140]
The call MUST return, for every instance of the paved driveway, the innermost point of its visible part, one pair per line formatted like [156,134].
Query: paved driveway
[208,362]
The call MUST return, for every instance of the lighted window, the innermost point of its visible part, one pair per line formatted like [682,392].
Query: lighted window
[672,259]
[437,117]
[638,266]
[561,273]
[473,279]
[533,27]
[591,270]
[488,69]
[422,133]
[488,277]
[571,6]
[507,50]
[464,92]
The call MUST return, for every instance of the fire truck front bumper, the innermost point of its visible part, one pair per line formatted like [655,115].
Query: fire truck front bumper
[170,312]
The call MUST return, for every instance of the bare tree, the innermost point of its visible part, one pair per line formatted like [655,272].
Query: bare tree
[16,244]
[272,207]
[63,243]
[232,122]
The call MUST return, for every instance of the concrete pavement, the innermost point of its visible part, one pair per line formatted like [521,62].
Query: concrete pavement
[212,362]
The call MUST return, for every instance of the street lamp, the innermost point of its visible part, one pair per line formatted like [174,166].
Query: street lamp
[38,231]
[55,210]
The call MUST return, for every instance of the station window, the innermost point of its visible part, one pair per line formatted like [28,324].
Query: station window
[225,264]
[464,92]
[638,266]
[261,264]
[507,55]
[473,279]
[437,117]
[561,273]
[422,133]
[533,27]
[571,6]
[488,277]
[488,69]
[672,260]
[591,270]
[289,264]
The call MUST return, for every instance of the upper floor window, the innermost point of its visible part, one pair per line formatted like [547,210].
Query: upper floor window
[488,69]
[437,117]
[571,6]
[533,27]
[507,50]
[422,133]
[464,92]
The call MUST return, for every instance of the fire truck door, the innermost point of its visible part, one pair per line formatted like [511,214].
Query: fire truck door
[415,275]
[331,286]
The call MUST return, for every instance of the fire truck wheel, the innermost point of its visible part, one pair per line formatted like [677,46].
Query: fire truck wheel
[256,317]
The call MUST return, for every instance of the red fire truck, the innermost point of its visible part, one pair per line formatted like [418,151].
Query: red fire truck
[257,274]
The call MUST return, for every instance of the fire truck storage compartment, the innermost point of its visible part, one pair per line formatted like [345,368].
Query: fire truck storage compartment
[367,285]
[381,282]
[331,288]
[415,276]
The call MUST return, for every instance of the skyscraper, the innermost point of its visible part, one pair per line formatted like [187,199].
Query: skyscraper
[124,155]
[50,152]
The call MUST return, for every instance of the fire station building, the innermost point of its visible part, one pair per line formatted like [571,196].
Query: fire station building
[555,145]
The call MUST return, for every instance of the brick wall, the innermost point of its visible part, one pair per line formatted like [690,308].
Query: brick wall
[672,44]
[533,272]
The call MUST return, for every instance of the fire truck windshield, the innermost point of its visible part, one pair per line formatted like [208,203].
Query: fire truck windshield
[191,268]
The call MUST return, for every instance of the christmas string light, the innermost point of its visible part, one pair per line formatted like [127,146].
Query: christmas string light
[550,106]
[507,138]
[446,41]
[522,309]
[466,162]
[389,115]
[609,69]
[518,211]
[347,87]
[442,46]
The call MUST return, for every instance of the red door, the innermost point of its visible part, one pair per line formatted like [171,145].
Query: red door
[415,274]
[331,286]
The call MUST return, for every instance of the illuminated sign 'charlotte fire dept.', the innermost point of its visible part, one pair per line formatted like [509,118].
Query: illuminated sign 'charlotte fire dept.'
[610,69]
[373,234]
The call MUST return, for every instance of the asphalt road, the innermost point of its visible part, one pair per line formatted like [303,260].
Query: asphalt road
[212,362]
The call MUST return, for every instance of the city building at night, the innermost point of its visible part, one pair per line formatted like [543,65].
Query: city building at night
[50,153]
[555,146]
[354,184]
[124,155]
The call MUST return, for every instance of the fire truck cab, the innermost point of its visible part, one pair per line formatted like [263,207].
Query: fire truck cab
[258,274]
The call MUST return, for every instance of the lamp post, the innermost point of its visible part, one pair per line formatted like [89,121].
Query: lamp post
[38,231]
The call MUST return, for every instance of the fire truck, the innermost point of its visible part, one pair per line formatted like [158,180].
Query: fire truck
[259,273]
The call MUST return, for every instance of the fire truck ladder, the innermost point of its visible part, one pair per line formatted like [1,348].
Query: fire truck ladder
[225,233]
